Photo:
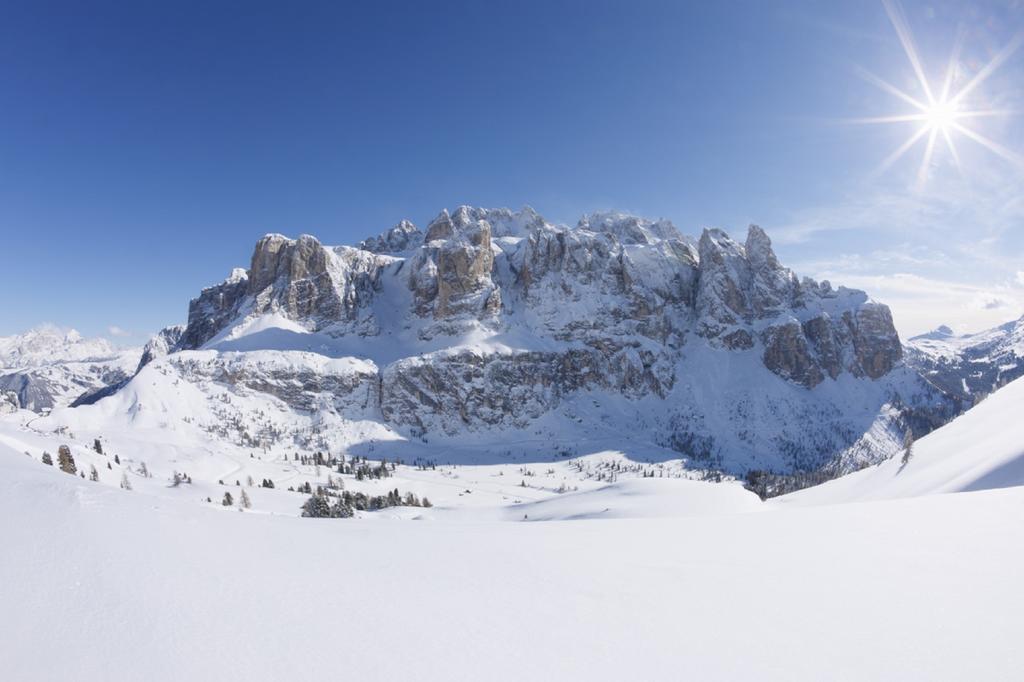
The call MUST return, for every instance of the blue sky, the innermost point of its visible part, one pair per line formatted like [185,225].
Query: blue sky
[144,147]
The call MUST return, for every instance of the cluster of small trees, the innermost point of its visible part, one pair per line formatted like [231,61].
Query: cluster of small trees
[609,471]
[243,500]
[325,504]
[320,506]
[361,468]
[767,484]
[364,471]
[66,462]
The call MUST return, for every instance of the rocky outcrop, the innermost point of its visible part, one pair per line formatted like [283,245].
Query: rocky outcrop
[629,229]
[9,402]
[166,341]
[305,281]
[402,237]
[302,381]
[773,288]
[862,342]
[787,354]
[741,284]
[453,391]
[299,279]
[723,285]
[451,275]
[876,345]
[626,290]
[214,309]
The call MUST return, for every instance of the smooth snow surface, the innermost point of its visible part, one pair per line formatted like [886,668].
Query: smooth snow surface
[105,585]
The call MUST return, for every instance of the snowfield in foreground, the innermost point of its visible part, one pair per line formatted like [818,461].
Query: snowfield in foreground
[594,568]
[100,584]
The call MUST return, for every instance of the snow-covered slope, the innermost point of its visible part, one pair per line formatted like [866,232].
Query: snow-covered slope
[49,367]
[981,449]
[969,366]
[493,326]
[99,584]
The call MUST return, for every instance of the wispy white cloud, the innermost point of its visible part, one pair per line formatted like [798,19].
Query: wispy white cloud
[118,332]
[995,303]
[950,253]
[921,303]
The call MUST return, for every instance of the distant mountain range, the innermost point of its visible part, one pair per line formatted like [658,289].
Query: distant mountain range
[970,366]
[48,367]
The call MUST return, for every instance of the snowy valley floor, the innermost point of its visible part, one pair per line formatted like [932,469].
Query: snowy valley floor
[97,584]
[644,579]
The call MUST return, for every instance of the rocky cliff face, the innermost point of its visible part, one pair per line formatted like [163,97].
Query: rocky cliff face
[493,321]
[451,274]
[401,238]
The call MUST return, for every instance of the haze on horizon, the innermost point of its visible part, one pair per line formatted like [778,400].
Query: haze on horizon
[144,150]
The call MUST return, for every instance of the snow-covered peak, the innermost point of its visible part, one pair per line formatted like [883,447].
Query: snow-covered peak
[48,344]
[759,249]
[503,222]
[970,366]
[940,333]
[400,238]
[237,275]
[48,367]
[629,229]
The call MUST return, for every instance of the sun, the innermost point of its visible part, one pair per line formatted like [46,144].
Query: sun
[942,112]
[941,116]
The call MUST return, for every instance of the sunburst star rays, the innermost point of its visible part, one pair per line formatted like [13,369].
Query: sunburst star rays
[943,113]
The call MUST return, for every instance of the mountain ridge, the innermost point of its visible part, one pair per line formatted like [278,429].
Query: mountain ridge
[491,323]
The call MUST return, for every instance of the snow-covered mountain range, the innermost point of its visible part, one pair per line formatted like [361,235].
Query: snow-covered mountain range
[493,332]
[49,367]
[969,366]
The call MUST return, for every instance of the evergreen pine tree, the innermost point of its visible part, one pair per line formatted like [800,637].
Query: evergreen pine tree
[47,459]
[125,483]
[243,501]
[341,510]
[228,501]
[93,474]
[316,507]
[908,447]
[65,461]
